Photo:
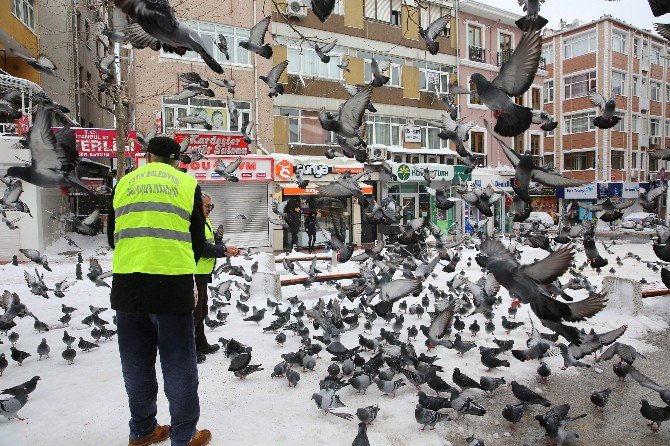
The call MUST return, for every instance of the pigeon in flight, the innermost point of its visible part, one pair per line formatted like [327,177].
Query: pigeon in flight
[515,77]
[222,45]
[612,210]
[350,117]
[104,68]
[36,256]
[225,83]
[54,155]
[323,50]
[353,89]
[378,77]
[194,120]
[323,9]
[435,29]
[645,381]
[157,19]
[649,200]
[455,131]
[607,106]
[87,225]
[532,21]
[226,170]
[256,39]
[42,64]
[544,120]
[272,79]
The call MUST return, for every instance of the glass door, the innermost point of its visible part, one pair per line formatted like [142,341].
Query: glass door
[409,206]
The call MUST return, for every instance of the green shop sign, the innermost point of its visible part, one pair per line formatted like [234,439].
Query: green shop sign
[413,172]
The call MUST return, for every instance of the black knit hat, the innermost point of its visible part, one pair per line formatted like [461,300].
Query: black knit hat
[164,147]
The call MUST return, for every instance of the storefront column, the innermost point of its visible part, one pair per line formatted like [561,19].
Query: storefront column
[355,222]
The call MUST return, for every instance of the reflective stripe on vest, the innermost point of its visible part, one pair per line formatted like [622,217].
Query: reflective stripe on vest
[206,265]
[152,207]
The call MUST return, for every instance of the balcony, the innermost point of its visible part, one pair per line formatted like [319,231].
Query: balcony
[477,54]
[503,56]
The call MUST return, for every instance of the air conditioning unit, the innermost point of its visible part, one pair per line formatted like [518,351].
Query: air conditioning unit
[296,9]
[377,153]
[654,140]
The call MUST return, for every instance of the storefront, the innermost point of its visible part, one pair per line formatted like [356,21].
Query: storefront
[344,212]
[593,193]
[242,207]
[500,179]
[408,189]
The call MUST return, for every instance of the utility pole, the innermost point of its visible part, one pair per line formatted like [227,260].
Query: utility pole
[119,94]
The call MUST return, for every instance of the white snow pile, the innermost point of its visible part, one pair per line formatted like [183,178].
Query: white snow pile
[85,403]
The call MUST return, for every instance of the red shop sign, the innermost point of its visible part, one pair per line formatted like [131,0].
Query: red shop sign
[92,143]
[216,143]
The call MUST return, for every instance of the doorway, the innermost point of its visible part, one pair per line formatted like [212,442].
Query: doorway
[409,206]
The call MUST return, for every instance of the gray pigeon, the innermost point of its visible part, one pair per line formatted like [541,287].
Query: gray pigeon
[69,354]
[256,44]
[643,380]
[361,382]
[434,30]
[36,257]
[389,387]
[326,400]
[42,64]
[272,79]
[43,349]
[157,20]
[349,119]
[515,77]
[600,399]
[428,417]
[10,407]
[607,119]
[532,21]
[367,414]
[3,363]
[292,377]
[323,50]
[226,170]
[322,10]
[362,436]
[95,273]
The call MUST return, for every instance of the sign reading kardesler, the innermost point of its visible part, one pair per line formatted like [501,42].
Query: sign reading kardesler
[215,143]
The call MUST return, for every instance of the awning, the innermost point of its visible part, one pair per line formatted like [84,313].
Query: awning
[314,190]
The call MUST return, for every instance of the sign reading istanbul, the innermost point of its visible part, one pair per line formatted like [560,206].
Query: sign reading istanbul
[93,143]
[414,172]
[215,143]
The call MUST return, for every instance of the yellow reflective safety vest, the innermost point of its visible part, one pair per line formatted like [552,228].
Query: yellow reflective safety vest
[206,265]
[152,207]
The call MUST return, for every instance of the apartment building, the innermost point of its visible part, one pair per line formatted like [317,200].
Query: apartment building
[617,59]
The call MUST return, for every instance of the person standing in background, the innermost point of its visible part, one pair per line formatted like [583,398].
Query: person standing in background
[293,221]
[156,228]
[310,227]
[214,248]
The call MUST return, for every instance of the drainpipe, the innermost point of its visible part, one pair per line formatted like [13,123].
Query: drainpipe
[256,108]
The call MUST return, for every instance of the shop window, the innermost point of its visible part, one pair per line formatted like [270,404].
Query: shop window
[415,159]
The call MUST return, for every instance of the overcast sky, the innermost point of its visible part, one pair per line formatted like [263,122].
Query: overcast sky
[635,12]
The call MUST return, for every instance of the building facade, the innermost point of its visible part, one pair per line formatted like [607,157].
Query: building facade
[617,60]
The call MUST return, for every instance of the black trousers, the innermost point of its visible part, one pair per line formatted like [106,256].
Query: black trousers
[311,240]
[293,240]
[199,313]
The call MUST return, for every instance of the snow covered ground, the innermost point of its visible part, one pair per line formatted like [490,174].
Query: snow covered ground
[85,403]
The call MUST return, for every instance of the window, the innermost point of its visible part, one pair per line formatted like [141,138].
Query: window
[578,45]
[617,159]
[383,130]
[474,97]
[667,129]
[634,123]
[429,138]
[393,71]
[505,47]
[619,42]
[667,93]
[548,53]
[518,100]
[24,10]
[548,91]
[579,85]
[305,62]
[633,160]
[654,127]
[621,125]
[87,34]
[636,86]
[618,83]
[579,122]
[214,111]
[643,161]
[434,77]
[655,55]
[519,143]
[429,12]
[339,7]
[655,91]
[477,142]
[579,160]
[383,10]
[209,33]
[636,47]
[535,144]
[535,98]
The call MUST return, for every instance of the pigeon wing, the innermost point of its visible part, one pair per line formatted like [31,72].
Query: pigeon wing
[138,37]
[46,62]
[590,207]
[597,99]
[437,27]
[551,267]
[517,74]
[552,179]
[91,218]
[232,167]
[624,204]
[353,110]
[328,47]
[323,8]
[511,155]
[150,14]
[496,250]
[42,142]
[442,322]
[257,33]
[644,380]
[397,289]
[276,71]
[352,90]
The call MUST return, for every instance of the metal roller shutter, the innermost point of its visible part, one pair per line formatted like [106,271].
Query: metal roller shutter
[10,240]
[250,199]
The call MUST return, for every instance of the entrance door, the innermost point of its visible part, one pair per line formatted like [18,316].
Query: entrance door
[409,206]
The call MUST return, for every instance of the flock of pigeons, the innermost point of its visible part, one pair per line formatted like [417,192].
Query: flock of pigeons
[385,358]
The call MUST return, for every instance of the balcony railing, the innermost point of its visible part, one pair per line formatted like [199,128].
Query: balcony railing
[504,55]
[477,54]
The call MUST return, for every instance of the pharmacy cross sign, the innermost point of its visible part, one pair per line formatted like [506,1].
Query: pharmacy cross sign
[404,172]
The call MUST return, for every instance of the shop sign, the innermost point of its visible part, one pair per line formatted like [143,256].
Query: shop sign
[587,191]
[603,191]
[315,170]
[250,169]
[502,184]
[314,190]
[93,143]
[615,190]
[284,169]
[630,190]
[215,143]
[407,172]
[412,133]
